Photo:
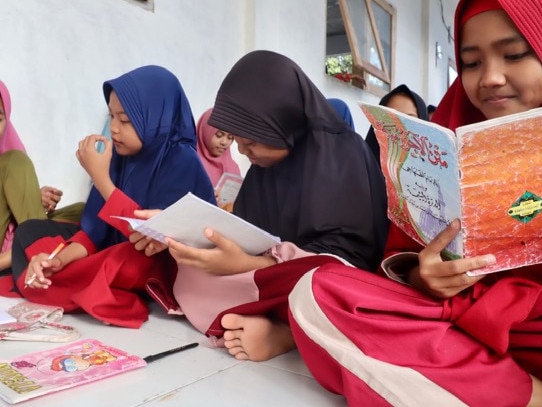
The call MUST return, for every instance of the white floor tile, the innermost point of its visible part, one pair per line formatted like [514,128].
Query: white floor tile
[202,376]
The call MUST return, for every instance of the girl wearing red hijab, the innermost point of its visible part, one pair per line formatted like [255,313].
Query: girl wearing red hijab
[438,336]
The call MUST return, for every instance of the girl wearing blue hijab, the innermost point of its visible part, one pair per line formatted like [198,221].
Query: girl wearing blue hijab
[150,162]
[343,111]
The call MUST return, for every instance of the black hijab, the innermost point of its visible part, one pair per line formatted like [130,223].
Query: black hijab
[328,195]
[421,108]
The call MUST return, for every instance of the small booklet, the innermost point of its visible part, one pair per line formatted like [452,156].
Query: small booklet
[39,373]
[227,188]
[187,218]
[485,174]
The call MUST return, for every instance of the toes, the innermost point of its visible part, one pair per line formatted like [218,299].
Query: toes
[230,344]
[238,352]
[232,321]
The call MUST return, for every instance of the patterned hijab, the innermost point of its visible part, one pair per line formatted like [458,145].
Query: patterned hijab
[421,108]
[327,195]
[455,109]
[10,139]
[167,166]
[215,166]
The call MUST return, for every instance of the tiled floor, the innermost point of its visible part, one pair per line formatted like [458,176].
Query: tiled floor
[202,376]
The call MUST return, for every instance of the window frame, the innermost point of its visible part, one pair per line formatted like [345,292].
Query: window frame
[361,66]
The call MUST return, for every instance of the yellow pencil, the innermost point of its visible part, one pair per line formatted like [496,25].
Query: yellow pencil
[50,257]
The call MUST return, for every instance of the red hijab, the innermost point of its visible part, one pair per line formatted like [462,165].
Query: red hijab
[455,108]
[215,166]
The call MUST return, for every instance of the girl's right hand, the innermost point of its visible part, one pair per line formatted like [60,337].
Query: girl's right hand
[40,268]
[444,279]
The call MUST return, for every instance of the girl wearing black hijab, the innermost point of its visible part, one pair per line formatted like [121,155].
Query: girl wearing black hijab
[313,182]
[404,100]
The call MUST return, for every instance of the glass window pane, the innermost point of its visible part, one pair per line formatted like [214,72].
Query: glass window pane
[336,40]
[383,24]
[364,33]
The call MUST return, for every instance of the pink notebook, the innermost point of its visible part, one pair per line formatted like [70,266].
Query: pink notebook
[35,374]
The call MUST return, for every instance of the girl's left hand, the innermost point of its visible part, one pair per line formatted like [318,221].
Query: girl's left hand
[96,164]
[143,243]
[225,258]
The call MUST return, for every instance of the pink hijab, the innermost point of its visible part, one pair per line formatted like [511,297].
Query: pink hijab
[455,109]
[10,139]
[215,166]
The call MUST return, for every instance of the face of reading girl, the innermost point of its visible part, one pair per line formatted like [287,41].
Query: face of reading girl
[500,72]
[403,104]
[220,142]
[123,134]
[260,154]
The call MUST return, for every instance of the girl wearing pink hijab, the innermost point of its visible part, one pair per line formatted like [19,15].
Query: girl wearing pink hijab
[20,194]
[214,151]
[439,336]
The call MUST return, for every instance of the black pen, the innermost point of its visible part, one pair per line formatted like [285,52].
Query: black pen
[160,355]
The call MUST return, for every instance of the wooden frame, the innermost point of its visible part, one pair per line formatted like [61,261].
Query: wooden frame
[362,67]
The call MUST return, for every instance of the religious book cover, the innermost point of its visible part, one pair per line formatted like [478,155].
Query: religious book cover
[39,373]
[227,188]
[485,174]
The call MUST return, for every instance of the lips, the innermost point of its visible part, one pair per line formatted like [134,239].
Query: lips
[496,98]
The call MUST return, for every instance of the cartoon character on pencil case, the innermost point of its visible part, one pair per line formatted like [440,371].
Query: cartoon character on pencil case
[71,362]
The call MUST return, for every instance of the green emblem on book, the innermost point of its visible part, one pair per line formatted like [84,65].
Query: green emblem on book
[526,207]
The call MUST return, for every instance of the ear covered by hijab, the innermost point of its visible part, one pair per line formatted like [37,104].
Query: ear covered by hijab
[10,139]
[421,109]
[455,108]
[328,194]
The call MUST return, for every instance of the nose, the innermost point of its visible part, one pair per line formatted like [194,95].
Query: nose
[493,74]
[113,126]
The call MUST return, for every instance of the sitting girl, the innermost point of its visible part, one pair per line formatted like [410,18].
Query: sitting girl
[150,162]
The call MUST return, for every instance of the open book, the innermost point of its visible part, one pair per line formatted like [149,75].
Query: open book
[39,373]
[486,174]
[187,218]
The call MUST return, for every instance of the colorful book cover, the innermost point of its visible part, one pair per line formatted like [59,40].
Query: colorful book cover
[39,373]
[227,188]
[486,174]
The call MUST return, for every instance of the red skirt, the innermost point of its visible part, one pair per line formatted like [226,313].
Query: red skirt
[383,343]
[107,285]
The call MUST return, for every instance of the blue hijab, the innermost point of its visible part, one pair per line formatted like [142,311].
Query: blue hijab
[343,111]
[167,166]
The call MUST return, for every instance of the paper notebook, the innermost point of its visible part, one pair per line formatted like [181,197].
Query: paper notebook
[187,218]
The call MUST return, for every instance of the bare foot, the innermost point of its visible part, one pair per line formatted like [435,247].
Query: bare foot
[255,337]
[536,396]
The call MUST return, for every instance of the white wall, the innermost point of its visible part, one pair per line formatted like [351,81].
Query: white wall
[57,53]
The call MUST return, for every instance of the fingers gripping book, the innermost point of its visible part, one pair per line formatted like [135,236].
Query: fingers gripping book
[485,174]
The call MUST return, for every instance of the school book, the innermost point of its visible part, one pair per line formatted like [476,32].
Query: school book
[487,174]
[186,219]
[227,188]
[39,373]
